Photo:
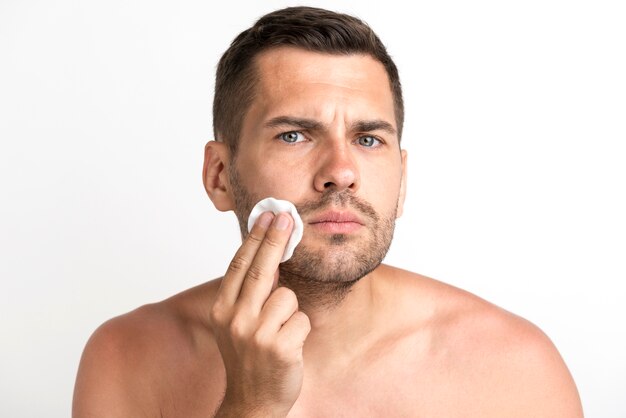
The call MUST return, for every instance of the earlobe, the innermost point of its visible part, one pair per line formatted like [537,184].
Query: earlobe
[402,194]
[215,175]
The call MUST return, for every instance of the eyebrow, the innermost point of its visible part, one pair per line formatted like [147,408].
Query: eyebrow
[302,123]
[373,125]
[314,125]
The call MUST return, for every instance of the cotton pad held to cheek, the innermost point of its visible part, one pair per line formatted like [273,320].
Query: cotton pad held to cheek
[274,205]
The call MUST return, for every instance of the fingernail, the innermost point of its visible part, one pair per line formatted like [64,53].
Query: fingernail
[282,222]
[265,219]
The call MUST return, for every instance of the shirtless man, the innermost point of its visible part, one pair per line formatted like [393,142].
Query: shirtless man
[308,108]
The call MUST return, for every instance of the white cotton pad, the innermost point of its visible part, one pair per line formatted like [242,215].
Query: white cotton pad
[274,205]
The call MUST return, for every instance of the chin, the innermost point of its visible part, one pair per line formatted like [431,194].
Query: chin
[337,263]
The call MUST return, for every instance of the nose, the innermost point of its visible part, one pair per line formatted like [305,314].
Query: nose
[337,169]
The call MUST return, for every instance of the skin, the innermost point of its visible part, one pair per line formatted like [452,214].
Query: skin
[398,345]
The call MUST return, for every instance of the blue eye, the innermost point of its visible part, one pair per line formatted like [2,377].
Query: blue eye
[291,137]
[368,141]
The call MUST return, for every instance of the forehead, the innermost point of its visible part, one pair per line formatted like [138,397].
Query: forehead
[317,84]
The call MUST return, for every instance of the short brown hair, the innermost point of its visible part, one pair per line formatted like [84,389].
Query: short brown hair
[309,28]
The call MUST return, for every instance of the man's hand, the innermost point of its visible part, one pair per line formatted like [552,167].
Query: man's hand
[258,328]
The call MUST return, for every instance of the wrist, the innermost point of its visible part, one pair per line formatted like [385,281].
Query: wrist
[237,409]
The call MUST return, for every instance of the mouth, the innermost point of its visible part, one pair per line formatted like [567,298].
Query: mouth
[336,222]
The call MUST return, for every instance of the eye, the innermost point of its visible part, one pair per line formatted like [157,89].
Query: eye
[292,137]
[368,141]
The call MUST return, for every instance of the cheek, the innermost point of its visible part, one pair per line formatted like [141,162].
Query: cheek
[278,180]
[386,194]
[382,191]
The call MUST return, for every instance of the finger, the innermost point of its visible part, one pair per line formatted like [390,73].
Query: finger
[258,282]
[293,333]
[276,277]
[239,265]
[277,310]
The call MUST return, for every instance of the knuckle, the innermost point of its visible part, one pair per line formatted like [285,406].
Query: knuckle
[273,241]
[238,264]
[254,273]
[254,238]
[286,297]
[283,353]
[238,327]
[302,320]
[285,292]
[259,340]
[217,313]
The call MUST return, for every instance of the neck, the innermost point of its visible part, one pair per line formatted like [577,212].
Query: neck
[316,296]
[341,314]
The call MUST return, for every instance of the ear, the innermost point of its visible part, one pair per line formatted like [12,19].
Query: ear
[402,194]
[215,175]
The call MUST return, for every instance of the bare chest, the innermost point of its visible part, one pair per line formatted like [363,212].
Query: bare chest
[407,380]
[394,385]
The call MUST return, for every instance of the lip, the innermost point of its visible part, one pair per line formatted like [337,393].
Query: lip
[336,222]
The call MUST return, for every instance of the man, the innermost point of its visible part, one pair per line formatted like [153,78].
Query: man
[308,108]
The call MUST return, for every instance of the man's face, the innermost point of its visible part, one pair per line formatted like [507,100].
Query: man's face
[321,133]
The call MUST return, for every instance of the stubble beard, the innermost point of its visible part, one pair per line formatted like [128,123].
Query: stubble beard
[323,278]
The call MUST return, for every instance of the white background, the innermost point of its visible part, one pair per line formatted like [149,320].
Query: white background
[515,127]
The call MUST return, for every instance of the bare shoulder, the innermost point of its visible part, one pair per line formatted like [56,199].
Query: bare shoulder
[492,354]
[131,359]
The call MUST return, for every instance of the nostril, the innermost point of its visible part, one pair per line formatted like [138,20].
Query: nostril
[328,184]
